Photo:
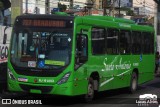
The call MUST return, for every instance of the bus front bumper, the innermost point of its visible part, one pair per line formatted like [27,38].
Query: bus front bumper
[63,89]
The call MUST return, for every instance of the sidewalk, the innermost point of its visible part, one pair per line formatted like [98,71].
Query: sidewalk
[158,72]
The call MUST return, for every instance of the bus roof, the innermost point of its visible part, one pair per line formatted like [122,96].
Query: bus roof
[110,18]
[119,23]
[49,16]
[108,21]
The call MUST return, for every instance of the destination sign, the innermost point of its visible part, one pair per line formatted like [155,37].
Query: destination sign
[43,23]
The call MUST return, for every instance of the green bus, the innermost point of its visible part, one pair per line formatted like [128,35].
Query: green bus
[79,55]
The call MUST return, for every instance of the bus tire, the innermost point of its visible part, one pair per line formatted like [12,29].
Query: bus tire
[90,90]
[133,82]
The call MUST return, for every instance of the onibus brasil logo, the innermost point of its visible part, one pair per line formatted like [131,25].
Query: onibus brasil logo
[147,100]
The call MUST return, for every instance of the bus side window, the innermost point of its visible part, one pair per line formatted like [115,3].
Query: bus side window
[125,42]
[136,42]
[98,41]
[112,41]
[147,43]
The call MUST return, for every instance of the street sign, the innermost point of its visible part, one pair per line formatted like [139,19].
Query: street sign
[55,10]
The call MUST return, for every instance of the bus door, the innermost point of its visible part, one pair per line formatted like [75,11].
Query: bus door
[81,49]
[123,65]
[81,57]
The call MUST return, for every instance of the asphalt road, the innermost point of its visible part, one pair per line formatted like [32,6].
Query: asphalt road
[113,98]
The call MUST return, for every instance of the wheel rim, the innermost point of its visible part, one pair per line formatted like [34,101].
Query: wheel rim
[90,90]
[90,93]
[134,83]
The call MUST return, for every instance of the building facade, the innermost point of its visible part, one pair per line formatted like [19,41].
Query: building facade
[144,7]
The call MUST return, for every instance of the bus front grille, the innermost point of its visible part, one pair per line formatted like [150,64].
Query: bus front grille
[43,89]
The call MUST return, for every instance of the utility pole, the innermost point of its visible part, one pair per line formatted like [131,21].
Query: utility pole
[113,7]
[26,6]
[47,6]
[16,9]
[156,24]
[71,4]
[144,5]
[104,7]
[36,7]
[155,18]
[119,8]
[89,6]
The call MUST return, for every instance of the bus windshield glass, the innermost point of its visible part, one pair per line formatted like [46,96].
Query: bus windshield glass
[41,48]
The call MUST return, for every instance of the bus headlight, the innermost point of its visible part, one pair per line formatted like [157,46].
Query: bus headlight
[64,78]
[10,74]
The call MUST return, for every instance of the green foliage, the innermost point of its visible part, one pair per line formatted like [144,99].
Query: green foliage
[62,7]
[5,4]
[129,12]
[1,5]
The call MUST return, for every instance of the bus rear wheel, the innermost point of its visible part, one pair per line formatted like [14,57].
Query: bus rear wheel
[90,90]
[134,82]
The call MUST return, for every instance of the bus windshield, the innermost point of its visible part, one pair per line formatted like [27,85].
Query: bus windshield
[41,48]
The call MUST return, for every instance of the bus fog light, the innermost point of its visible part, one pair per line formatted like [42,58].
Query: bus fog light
[10,74]
[64,78]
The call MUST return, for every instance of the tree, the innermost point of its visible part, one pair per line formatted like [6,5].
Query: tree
[157,1]
[130,12]
[1,5]
[5,4]
[62,7]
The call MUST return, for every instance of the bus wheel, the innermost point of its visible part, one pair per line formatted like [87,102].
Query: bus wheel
[90,90]
[134,82]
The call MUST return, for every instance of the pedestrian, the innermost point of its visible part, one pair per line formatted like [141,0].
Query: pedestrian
[156,62]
